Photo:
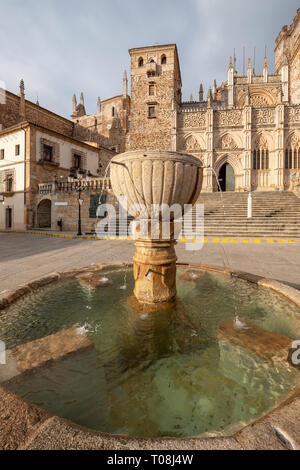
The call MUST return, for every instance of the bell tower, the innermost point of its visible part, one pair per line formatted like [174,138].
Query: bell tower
[155,97]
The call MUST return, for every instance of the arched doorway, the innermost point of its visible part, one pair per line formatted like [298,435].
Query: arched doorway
[227,178]
[44,214]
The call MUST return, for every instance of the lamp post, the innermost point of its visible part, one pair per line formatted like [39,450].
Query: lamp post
[79,188]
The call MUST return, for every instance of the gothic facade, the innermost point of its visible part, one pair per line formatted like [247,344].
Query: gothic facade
[248,126]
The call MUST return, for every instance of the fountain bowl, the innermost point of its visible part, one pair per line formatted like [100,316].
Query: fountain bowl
[156,177]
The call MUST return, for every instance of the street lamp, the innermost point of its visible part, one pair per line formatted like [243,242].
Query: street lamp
[79,188]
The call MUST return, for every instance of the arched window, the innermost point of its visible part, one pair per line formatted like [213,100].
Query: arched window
[113,111]
[141,62]
[292,154]
[261,160]
[163,60]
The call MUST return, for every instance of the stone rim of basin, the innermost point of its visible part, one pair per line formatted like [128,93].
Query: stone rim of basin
[290,293]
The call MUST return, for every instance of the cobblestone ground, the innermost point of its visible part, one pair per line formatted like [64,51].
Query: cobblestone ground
[25,257]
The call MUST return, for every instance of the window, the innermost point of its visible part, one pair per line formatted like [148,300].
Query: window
[113,111]
[151,111]
[141,62]
[292,159]
[292,155]
[77,161]
[2,154]
[163,60]
[151,90]
[47,153]
[261,160]
[9,183]
[17,150]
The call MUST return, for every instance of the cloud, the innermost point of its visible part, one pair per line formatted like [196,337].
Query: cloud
[62,47]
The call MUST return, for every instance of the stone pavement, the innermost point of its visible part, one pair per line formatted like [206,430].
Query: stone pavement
[25,257]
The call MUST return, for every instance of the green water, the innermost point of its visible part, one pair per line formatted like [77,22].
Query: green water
[162,374]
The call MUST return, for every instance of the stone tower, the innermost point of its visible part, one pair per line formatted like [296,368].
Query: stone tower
[155,97]
[287,60]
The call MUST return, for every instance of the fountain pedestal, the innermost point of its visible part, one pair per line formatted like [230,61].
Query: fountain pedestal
[154,271]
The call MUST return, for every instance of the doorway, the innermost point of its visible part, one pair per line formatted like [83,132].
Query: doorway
[8,217]
[227,178]
[44,214]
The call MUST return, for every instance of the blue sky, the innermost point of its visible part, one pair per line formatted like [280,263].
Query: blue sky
[68,46]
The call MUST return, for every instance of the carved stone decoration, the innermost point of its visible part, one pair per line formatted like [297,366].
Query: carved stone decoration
[294,141]
[293,114]
[261,142]
[259,100]
[191,143]
[228,118]
[197,119]
[228,143]
[263,116]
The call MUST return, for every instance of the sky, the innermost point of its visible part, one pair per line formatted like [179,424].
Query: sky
[62,47]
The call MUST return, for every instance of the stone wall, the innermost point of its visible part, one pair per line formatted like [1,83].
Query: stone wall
[146,131]
[69,213]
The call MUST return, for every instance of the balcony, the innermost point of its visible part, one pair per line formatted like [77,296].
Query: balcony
[151,69]
[94,184]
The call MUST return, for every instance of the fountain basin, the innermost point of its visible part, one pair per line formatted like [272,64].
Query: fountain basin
[156,177]
[203,343]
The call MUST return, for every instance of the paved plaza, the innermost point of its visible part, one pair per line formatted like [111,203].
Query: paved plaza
[25,257]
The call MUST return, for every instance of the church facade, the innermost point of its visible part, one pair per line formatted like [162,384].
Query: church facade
[246,132]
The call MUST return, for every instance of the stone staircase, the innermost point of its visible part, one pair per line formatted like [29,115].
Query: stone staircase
[275,214]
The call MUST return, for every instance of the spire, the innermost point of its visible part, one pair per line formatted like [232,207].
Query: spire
[37,101]
[81,99]
[249,71]
[265,69]
[74,103]
[22,100]
[22,87]
[191,97]
[201,92]
[209,98]
[125,84]
[230,63]
[215,90]
[98,105]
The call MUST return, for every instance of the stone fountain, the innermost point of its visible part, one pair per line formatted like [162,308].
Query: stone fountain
[152,182]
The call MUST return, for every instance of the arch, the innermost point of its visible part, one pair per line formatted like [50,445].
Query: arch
[265,138]
[163,60]
[44,214]
[141,62]
[258,98]
[233,160]
[226,178]
[191,143]
[227,142]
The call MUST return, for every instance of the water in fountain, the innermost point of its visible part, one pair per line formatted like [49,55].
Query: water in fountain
[168,373]
[237,320]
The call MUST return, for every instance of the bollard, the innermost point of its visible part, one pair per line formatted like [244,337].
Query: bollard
[249,206]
